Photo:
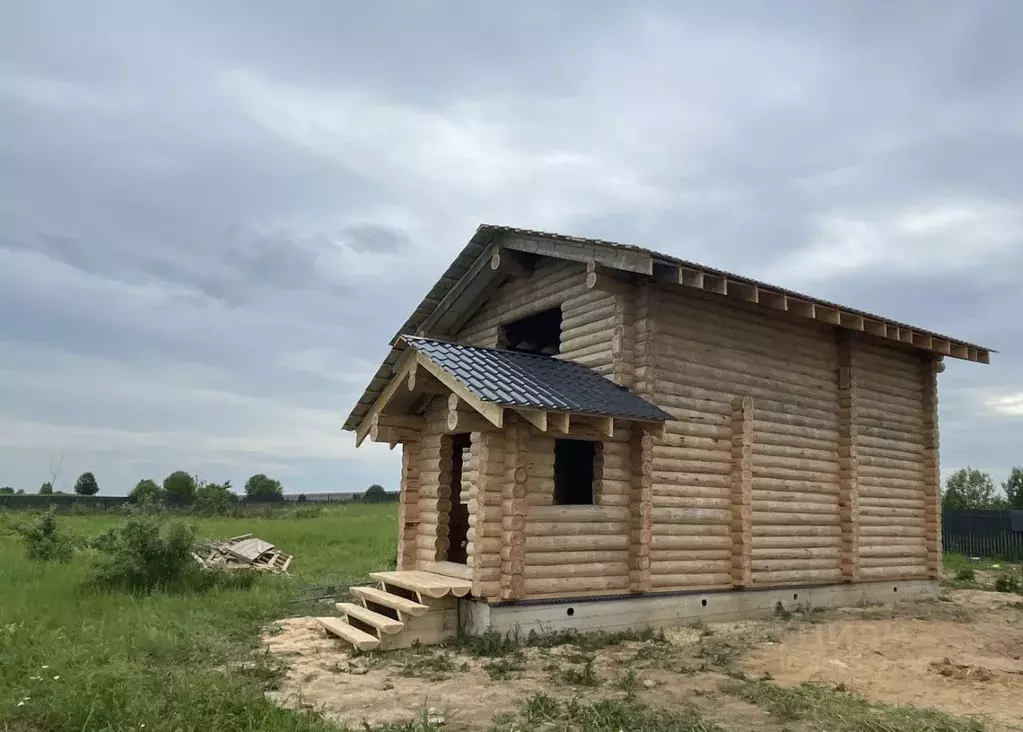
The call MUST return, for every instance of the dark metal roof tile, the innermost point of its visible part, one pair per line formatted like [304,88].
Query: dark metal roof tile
[515,379]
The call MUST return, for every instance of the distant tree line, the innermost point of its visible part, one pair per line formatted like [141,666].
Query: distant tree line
[181,488]
[969,488]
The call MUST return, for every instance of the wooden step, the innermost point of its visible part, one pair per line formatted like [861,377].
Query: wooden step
[425,583]
[380,597]
[359,639]
[381,622]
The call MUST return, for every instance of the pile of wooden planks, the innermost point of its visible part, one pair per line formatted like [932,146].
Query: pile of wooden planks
[244,552]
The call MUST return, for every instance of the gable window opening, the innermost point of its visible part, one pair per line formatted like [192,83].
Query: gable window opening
[573,472]
[539,333]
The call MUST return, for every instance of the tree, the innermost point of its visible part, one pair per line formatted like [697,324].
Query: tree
[86,485]
[375,494]
[7,491]
[1013,488]
[179,486]
[21,491]
[46,489]
[146,490]
[261,488]
[214,499]
[969,488]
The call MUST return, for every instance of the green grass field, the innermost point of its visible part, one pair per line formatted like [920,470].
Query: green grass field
[74,658]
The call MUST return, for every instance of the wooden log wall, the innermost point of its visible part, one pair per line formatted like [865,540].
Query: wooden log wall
[835,465]
[848,461]
[408,504]
[742,491]
[434,487]
[892,464]
[709,353]
[552,283]
[485,499]
[575,549]
[641,510]
[594,332]
[513,512]
[932,472]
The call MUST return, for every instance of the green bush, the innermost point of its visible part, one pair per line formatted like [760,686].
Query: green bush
[146,490]
[45,541]
[1006,583]
[146,554]
[966,574]
[261,488]
[375,494]
[86,485]
[214,499]
[179,486]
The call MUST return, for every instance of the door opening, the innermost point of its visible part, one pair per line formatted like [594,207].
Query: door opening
[458,519]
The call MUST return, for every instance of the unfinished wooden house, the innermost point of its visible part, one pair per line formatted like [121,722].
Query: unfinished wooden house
[595,435]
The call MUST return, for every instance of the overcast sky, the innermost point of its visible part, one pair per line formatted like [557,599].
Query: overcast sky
[213,215]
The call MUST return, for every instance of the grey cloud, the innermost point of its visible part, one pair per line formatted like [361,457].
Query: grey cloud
[375,238]
[149,218]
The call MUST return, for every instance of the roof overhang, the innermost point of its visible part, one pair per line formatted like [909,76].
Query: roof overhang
[496,253]
[418,377]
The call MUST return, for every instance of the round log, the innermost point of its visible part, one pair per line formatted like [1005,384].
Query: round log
[691,581]
[690,502]
[574,584]
[434,543]
[536,528]
[592,542]
[669,532]
[661,544]
[535,559]
[692,555]
[911,572]
[830,555]
[792,542]
[797,518]
[897,550]
[513,523]
[784,577]
[761,529]
[591,569]
[695,485]
[767,508]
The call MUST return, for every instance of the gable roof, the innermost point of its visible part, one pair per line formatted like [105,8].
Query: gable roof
[533,381]
[469,278]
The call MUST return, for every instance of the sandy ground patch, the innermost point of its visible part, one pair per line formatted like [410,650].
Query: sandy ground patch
[961,654]
[972,666]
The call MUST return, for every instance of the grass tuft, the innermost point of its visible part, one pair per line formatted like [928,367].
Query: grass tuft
[835,709]
[606,715]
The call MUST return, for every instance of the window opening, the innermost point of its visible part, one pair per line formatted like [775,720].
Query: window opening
[573,472]
[539,333]
[458,518]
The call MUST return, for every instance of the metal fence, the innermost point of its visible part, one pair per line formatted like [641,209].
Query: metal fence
[65,502]
[983,533]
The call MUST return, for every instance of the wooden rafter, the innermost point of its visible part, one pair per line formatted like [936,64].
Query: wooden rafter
[559,422]
[493,412]
[401,372]
[536,417]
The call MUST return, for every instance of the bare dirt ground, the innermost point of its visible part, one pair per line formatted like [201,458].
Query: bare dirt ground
[962,654]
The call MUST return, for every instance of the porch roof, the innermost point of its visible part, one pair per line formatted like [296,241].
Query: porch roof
[526,380]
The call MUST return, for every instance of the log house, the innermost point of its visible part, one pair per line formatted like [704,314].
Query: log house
[595,435]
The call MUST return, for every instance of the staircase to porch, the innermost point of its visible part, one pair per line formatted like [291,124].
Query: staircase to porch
[406,607]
